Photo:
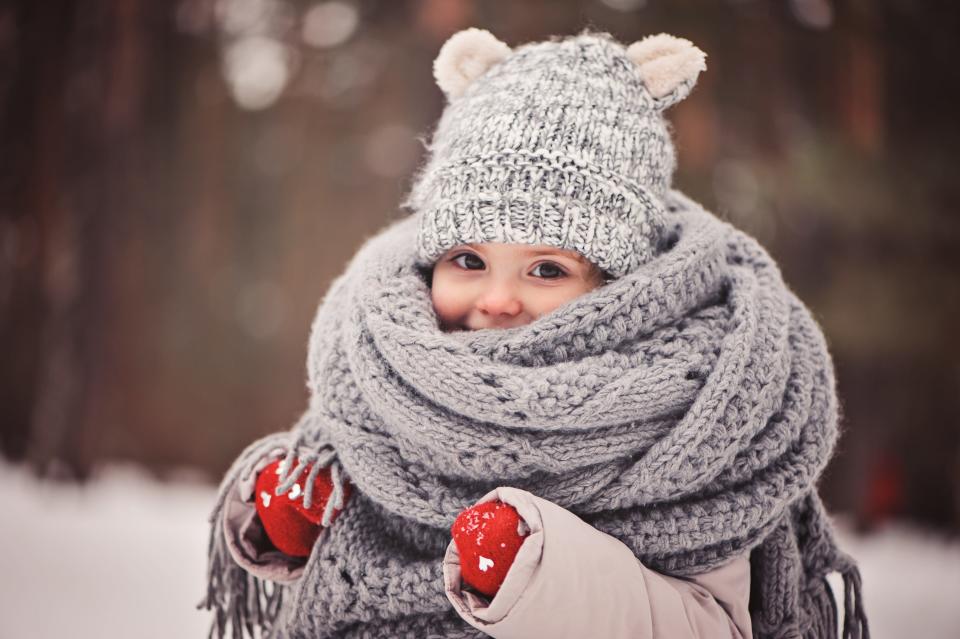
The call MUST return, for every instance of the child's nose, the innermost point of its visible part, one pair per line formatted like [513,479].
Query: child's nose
[499,299]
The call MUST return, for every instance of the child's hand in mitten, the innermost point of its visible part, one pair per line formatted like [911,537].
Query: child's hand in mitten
[488,537]
[291,527]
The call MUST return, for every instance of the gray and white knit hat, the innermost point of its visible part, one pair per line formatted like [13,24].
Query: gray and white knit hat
[561,142]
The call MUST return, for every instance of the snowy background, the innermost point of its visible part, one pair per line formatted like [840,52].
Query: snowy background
[125,556]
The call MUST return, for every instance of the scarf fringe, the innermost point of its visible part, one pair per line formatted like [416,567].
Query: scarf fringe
[245,605]
[791,595]
[815,525]
[821,610]
[854,616]
[242,603]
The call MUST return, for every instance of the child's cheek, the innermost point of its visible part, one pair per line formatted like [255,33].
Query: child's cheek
[451,302]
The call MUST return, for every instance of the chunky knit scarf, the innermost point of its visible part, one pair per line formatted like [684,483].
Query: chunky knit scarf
[687,409]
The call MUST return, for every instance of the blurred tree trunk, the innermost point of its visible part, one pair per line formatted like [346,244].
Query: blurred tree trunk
[20,301]
[39,329]
[74,102]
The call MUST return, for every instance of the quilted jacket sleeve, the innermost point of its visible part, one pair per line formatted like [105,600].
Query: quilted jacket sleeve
[571,580]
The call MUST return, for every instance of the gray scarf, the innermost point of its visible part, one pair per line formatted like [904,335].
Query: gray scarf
[687,409]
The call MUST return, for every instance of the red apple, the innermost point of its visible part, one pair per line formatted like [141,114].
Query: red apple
[488,538]
[291,527]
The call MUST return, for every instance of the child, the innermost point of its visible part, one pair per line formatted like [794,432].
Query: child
[606,395]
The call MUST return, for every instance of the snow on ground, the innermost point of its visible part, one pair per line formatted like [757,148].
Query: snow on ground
[911,581]
[122,557]
[125,556]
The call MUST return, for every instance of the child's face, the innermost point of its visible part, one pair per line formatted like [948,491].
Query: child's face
[494,285]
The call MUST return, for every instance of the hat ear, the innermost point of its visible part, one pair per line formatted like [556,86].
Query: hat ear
[466,56]
[668,65]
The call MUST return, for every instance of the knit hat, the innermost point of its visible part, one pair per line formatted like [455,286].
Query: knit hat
[561,142]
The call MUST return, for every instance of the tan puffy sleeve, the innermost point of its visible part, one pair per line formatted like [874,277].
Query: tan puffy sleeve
[571,580]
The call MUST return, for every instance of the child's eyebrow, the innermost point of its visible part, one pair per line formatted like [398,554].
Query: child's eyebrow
[549,251]
[573,255]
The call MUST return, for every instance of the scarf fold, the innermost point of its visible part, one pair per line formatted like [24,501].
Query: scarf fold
[687,409]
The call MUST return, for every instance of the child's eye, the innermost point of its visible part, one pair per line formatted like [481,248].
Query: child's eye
[550,271]
[476,261]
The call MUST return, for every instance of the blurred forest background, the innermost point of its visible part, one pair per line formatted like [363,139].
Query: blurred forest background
[180,182]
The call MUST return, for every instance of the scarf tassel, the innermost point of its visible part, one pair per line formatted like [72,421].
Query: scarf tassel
[245,605]
[241,602]
[854,617]
[323,457]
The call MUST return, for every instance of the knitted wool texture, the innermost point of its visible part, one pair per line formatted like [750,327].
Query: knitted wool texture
[686,408]
[561,144]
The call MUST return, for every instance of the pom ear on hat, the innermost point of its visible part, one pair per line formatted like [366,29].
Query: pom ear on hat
[668,65]
[466,56]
